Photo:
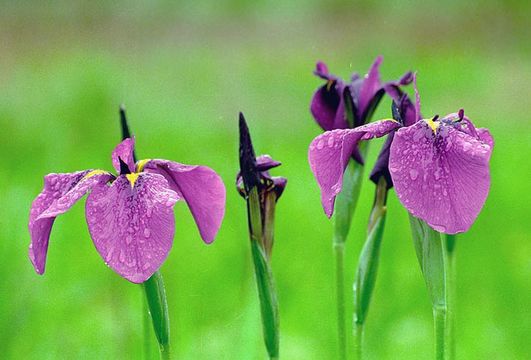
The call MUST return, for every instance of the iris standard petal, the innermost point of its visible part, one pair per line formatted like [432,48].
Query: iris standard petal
[60,193]
[370,86]
[202,189]
[124,151]
[329,154]
[132,226]
[442,176]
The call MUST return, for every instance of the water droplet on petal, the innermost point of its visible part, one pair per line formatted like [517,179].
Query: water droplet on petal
[147,232]
[413,174]
[331,141]
[320,144]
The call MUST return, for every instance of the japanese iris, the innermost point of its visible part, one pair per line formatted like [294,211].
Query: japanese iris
[439,166]
[129,216]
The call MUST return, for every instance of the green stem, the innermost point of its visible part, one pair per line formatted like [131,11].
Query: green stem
[158,309]
[440,320]
[358,341]
[344,208]
[451,292]
[340,298]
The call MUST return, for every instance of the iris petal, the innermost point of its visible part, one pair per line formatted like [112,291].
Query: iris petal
[370,86]
[329,154]
[441,178]
[132,228]
[60,193]
[202,189]
[327,106]
[124,151]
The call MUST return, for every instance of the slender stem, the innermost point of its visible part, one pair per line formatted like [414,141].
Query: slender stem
[358,340]
[440,319]
[340,298]
[158,309]
[451,292]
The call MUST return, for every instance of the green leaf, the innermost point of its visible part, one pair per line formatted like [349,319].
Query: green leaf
[368,267]
[430,251]
[347,199]
[158,309]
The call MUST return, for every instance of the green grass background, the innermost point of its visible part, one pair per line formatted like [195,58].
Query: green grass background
[184,70]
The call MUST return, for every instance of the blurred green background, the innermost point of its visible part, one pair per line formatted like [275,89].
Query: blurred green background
[184,70]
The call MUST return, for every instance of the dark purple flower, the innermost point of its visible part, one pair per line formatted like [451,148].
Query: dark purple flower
[439,167]
[332,101]
[254,173]
[130,216]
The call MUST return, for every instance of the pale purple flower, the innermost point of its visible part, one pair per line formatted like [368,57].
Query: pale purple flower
[439,167]
[129,216]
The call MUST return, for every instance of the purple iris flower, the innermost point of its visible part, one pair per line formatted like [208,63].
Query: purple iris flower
[439,166]
[335,100]
[129,216]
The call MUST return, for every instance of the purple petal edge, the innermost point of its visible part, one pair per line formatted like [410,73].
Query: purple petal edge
[442,178]
[202,189]
[329,153]
[60,193]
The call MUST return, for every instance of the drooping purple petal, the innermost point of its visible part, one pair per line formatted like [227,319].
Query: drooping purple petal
[442,176]
[60,193]
[370,86]
[132,227]
[202,189]
[329,153]
[124,151]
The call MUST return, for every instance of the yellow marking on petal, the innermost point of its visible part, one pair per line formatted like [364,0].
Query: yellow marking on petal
[329,84]
[434,125]
[393,120]
[94,172]
[140,165]
[132,178]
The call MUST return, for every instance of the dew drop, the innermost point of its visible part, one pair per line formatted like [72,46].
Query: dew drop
[413,174]
[320,144]
[147,232]
[331,141]
[128,239]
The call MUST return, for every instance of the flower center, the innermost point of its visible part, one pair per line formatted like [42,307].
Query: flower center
[433,123]
[132,177]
